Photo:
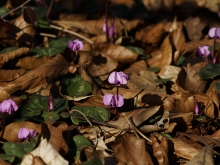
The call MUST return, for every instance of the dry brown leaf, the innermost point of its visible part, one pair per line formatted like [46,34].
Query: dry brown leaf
[8,56]
[128,3]
[204,157]
[11,130]
[117,52]
[54,135]
[29,63]
[24,32]
[212,92]
[211,5]
[46,152]
[193,80]
[193,45]
[41,75]
[160,148]
[145,79]
[128,148]
[136,67]
[171,73]
[2,162]
[10,75]
[145,34]
[99,39]
[182,149]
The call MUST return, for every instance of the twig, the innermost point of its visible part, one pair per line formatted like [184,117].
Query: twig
[47,35]
[73,33]
[131,126]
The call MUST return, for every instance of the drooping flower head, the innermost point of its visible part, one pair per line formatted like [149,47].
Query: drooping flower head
[113,100]
[204,51]
[8,106]
[118,78]
[51,101]
[196,107]
[104,27]
[75,45]
[26,134]
[214,32]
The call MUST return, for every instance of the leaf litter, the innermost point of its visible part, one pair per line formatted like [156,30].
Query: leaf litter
[141,57]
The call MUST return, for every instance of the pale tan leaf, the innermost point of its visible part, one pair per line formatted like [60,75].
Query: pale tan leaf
[10,75]
[47,153]
[136,67]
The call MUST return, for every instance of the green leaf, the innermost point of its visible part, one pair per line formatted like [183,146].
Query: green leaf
[161,80]
[80,141]
[94,161]
[53,116]
[152,120]
[37,104]
[3,10]
[210,71]
[8,49]
[217,86]
[18,149]
[180,60]
[96,113]
[42,24]
[201,118]
[9,158]
[154,69]
[167,136]
[61,42]
[135,49]
[76,86]
[157,117]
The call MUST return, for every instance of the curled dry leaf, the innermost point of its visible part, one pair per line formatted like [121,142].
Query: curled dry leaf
[46,152]
[204,157]
[171,73]
[128,149]
[128,3]
[8,56]
[11,130]
[10,75]
[24,32]
[145,79]
[136,67]
[160,149]
[7,38]
[117,52]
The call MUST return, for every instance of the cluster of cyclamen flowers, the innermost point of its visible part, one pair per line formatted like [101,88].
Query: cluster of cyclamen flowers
[204,50]
[117,78]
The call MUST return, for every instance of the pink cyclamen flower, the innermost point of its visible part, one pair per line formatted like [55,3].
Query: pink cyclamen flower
[118,78]
[51,101]
[204,51]
[214,32]
[8,106]
[26,134]
[113,100]
[75,45]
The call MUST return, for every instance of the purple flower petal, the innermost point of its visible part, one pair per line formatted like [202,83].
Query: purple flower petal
[203,51]
[212,32]
[8,106]
[117,101]
[107,99]
[111,31]
[70,44]
[32,133]
[23,133]
[104,27]
[117,78]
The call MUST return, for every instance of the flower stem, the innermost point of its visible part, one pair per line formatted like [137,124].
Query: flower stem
[49,9]
[3,16]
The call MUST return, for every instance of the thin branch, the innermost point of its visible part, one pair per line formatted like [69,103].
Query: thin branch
[73,33]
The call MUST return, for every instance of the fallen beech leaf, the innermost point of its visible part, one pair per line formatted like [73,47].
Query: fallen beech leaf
[46,152]
[54,135]
[128,3]
[214,90]
[7,38]
[182,149]
[204,157]
[11,130]
[10,75]
[117,52]
[2,162]
[145,79]
[160,150]
[24,32]
[128,149]
[8,56]
[136,67]
[39,76]
[193,80]
[171,73]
